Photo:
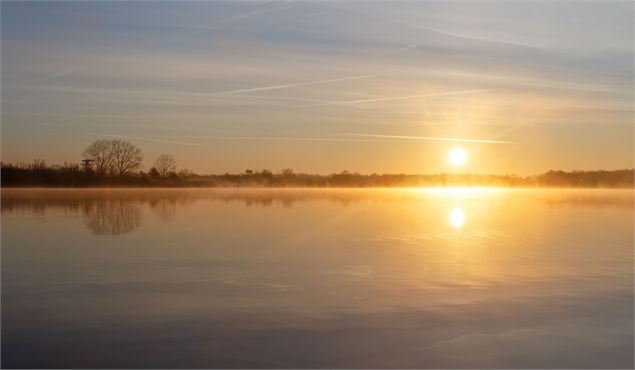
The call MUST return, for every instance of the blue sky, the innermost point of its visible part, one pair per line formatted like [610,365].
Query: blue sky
[323,86]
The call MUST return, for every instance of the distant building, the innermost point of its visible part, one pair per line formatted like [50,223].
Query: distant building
[87,164]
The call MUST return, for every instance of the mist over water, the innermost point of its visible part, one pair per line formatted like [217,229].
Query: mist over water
[295,278]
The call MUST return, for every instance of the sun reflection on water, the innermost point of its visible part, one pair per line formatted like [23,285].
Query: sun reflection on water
[457,217]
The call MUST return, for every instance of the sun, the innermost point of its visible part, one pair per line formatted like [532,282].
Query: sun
[457,156]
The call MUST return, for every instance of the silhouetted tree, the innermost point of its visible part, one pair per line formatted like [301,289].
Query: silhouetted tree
[38,173]
[154,173]
[185,173]
[164,165]
[126,157]
[38,164]
[101,153]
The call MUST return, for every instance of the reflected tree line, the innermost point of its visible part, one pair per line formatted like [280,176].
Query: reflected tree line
[103,214]
[119,163]
[112,217]
[116,217]
[117,212]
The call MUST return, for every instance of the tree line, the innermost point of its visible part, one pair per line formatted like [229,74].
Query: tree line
[104,163]
[119,163]
[122,158]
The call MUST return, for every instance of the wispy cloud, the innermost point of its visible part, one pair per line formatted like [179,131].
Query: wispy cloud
[390,98]
[222,22]
[284,138]
[434,138]
[469,37]
[373,138]
[61,72]
[385,17]
[287,98]
[148,139]
[285,86]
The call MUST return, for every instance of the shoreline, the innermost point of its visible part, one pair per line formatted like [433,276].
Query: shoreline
[452,187]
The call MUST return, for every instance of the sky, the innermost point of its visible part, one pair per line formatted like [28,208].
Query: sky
[321,87]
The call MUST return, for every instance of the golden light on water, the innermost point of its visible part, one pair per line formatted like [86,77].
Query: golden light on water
[457,217]
[457,156]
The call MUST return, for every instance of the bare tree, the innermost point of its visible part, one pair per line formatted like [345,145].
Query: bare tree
[165,164]
[185,173]
[126,157]
[101,153]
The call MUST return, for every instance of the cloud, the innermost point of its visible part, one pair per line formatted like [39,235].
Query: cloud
[283,138]
[371,138]
[380,99]
[61,72]
[431,138]
[222,22]
[471,37]
[149,139]
[276,87]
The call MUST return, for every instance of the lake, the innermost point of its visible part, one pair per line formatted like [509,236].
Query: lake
[317,278]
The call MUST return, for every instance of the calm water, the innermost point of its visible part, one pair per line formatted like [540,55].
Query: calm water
[317,278]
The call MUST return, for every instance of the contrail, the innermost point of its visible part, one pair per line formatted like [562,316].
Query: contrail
[467,37]
[287,98]
[221,22]
[462,92]
[368,138]
[288,138]
[149,139]
[59,73]
[275,87]
[395,20]
[433,138]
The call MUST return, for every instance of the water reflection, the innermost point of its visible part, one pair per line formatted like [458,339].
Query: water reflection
[165,208]
[117,212]
[114,217]
[104,212]
[317,279]
[457,217]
